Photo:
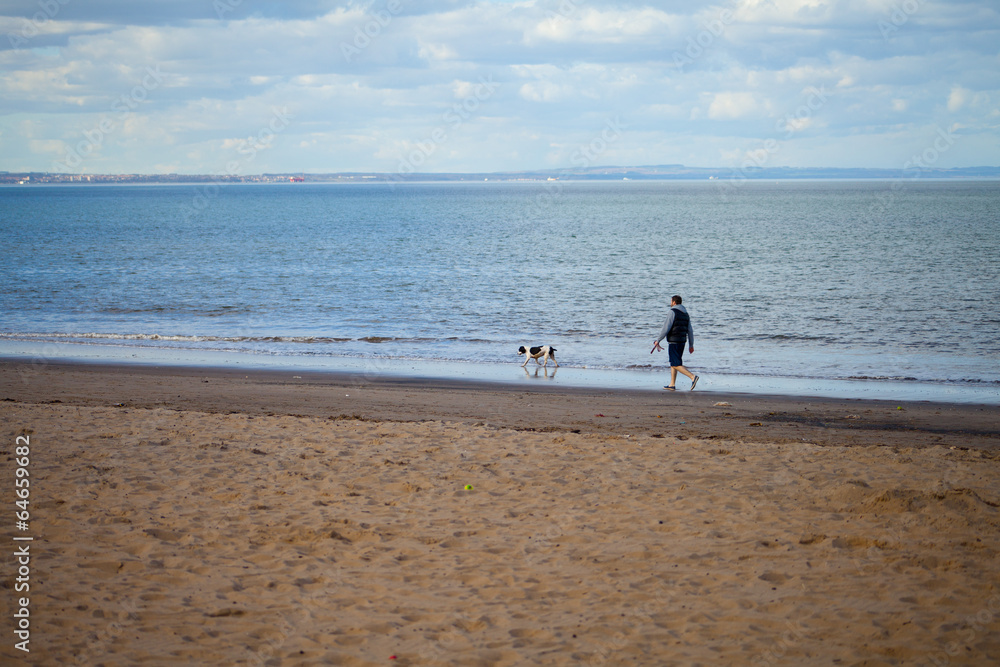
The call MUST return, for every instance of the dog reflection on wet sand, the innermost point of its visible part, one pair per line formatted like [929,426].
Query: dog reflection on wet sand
[540,372]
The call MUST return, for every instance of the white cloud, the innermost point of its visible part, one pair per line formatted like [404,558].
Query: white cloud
[544,91]
[732,105]
[51,147]
[664,110]
[958,98]
[592,25]
[14,29]
[807,12]
[437,52]
[797,124]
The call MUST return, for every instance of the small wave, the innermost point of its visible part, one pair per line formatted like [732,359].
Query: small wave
[117,310]
[180,338]
[401,339]
[799,337]
[907,378]
[104,336]
[775,337]
[202,338]
[219,311]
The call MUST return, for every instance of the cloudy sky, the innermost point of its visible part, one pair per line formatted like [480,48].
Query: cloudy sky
[248,86]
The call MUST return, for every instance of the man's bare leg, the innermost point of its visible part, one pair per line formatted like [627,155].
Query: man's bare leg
[679,369]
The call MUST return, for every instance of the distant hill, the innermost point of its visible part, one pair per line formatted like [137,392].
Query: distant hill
[651,172]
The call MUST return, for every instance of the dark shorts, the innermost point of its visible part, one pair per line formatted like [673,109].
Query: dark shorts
[675,351]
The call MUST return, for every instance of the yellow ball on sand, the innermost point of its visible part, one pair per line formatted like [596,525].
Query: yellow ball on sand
[468,487]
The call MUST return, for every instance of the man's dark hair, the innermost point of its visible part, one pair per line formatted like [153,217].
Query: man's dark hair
[676,299]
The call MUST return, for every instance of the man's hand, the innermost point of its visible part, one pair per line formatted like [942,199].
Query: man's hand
[656,347]
[691,349]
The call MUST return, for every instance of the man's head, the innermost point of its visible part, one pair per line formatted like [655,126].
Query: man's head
[675,300]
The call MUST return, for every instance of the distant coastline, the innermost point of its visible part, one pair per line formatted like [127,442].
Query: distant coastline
[609,173]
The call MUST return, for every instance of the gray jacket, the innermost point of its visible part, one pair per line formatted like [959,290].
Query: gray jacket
[670,323]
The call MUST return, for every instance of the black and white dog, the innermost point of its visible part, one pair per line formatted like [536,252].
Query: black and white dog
[546,352]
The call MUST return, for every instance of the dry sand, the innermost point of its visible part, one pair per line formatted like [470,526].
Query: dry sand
[191,516]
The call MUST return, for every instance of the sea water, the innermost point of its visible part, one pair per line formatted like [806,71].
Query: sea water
[854,284]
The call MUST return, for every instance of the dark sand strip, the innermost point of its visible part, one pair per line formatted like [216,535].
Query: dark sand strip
[544,408]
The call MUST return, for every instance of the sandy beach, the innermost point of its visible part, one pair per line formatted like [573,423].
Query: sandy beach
[218,517]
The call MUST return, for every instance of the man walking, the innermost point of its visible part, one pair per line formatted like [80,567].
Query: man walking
[678,331]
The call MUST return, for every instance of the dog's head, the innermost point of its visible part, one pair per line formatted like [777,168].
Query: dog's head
[521,350]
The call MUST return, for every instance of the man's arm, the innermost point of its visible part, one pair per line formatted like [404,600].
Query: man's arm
[690,336]
[666,326]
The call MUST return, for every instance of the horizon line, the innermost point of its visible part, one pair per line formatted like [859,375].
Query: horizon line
[639,171]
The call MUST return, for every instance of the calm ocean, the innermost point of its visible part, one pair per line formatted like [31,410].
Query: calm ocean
[865,284]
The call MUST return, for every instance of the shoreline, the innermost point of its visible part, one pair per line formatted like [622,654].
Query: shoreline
[645,379]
